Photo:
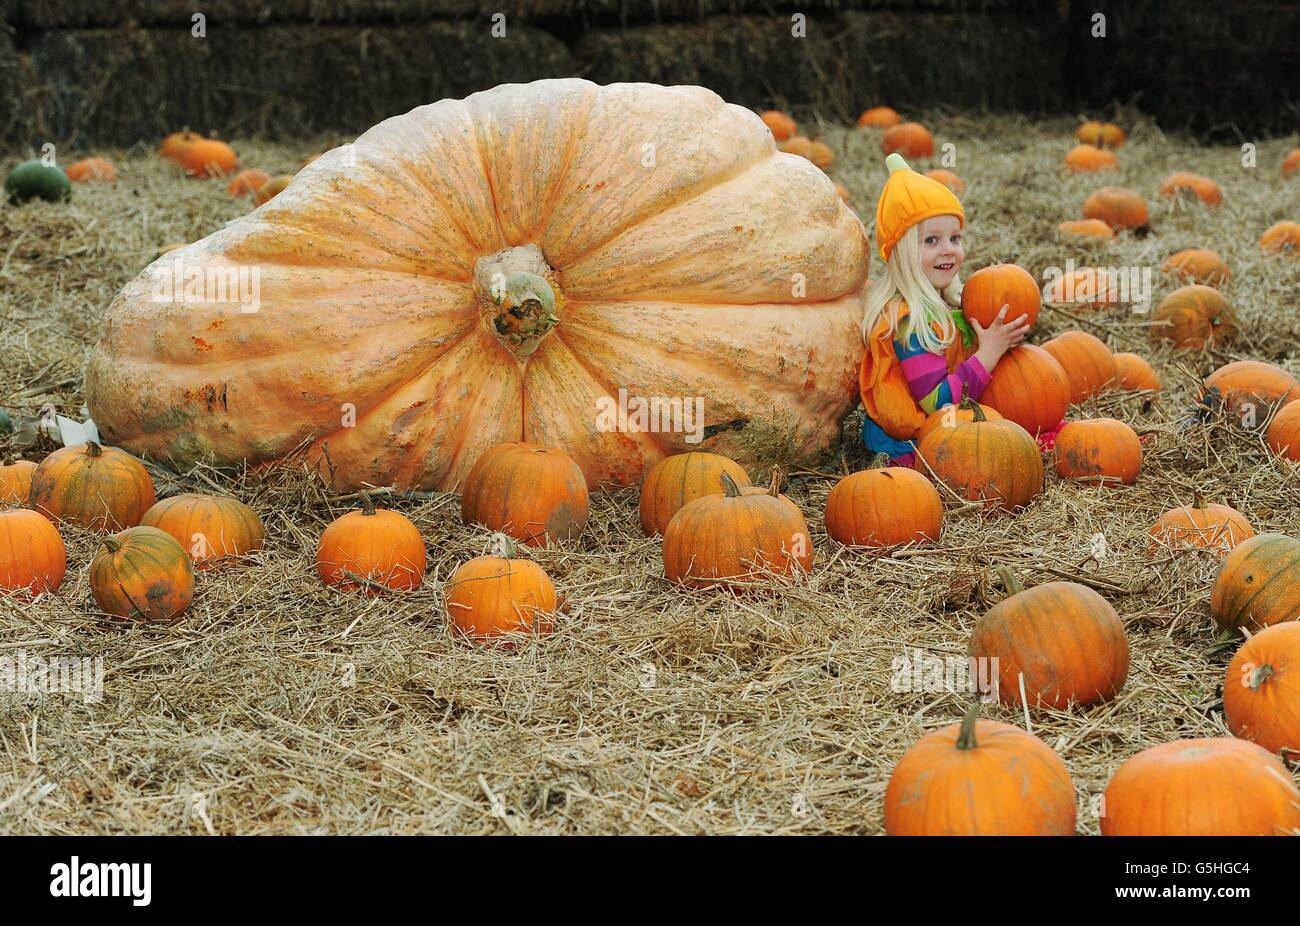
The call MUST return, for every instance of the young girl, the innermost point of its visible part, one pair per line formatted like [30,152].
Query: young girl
[921,351]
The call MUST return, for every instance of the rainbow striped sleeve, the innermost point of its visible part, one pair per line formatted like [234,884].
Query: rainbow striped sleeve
[928,378]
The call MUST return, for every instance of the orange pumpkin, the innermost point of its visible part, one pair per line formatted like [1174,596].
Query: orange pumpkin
[948,179]
[682,478]
[1061,641]
[1261,701]
[1258,584]
[247,182]
[799,145]
[1098,451]
[1200,265]
[1192,316]
[879,117]
[736,539]
[952,415]
[1291,163]
[379,546]
[212,529]
[92,169]
[1281,238]
[615,274]
[884,507]
[1087,287]
[910,139]
[16,481]
[1133,372]
[535,494]
[1089,158]
[1118,207]
[995,462]
[1088,363]
[1087,228]
[1246,388]
[1029,386]
[782,126]
[821,155]
[32,556]
[102,488]
[1100,134]
[143,574]
[1283,433]
[1205,189]
[496,596]
[1208,526]
[209,158]
[175,145]
[271,189]
[979,778]
[1201,787]
[987,290]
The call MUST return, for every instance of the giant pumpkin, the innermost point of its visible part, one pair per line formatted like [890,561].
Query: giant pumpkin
[516,266]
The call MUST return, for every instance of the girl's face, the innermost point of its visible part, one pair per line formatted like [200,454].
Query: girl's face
[941,250]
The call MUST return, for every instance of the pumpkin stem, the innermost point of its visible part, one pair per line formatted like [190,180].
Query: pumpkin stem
[776,482]
[974,408]
[966,739]
[367,506]
[93,449]
[1260,676]
[113,544]
[518,298]
[729,487]
[502,546]
[1009,581]
[880,461]
[1198,500]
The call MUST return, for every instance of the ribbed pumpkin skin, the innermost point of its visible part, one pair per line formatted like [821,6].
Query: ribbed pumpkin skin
[377,267]
[1208,526]
[1088,363]
[1205,189]
[210,528]
[491,596]
[1284,432]
[1200,265]
[682,478]
[16,481]
[1258,584]
[1201,787]
[102,488]
[1133,372]
[1029,386]
[150,578]
[910,139]
[952,415]
[1252,382]
[1087,287]
[1065,638]
[32,554]
[948,179]
[384,547]
[1099,451]
[536,495]
[879,117]
[1010,784]
[1261,690]
[1089,158]
[1192,316]
[1281,238]
[884,508]
[1087,228]
[1117,207]
[995,462]
[987,290]
[736,541]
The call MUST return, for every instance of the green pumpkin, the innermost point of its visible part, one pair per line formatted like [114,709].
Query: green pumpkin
[32,179]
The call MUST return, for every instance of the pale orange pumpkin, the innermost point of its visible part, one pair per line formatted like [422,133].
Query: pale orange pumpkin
[1087,228]
[631,252]
[1089,158]
[1133,372]
[1200,265]
[1205,189]
[1281,238]
[879,117]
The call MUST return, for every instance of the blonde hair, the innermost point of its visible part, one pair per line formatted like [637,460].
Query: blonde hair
[927,307]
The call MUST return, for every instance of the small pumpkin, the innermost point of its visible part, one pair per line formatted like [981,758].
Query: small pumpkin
[1089,159]
[16,481]
[884,506]
[1088,363]
[490,597]
[102,488]
[1133,372]
[33,558]
[952,415]
[1200,265]
[995,462]
[821,155]
[736,539]
[910,139]
[535,494]
[1216,786]
[142,573]
[375,544]
[1029,386]
[987,290]
[1281,238]
[271,189]
[681,478]
[948,179]
[175,145]
[212,529]
[1283,435]
[782,126]
[1201,524]
[879,117]
[1087,228]
[1100,134]
[247,182]
[1061,640]
[1291,163]
[1098,451]
[1261,700]
[1205,189]
[209,158]
[1118,207]
[1192,316]
[1246,386]
[797,144]
[90,170]
[37,180]
[979,778]
[1087,287]
[1258,584]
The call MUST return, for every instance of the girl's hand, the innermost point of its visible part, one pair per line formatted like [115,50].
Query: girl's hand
[999,337]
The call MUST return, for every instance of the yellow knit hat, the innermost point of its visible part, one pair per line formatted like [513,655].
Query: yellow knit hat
[908,198]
